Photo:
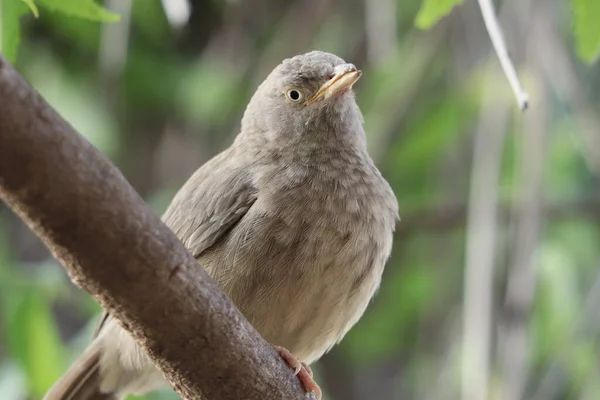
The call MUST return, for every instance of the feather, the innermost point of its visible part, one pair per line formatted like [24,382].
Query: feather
[82,380]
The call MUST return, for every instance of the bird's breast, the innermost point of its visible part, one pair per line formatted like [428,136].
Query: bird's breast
[305,260]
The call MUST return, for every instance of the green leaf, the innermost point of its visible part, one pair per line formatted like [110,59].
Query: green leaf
[87,9]
[433,10]
[34,341]
[587,28]
[10,32]
[32,7]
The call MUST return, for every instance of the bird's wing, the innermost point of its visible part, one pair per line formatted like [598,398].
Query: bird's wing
[208,206]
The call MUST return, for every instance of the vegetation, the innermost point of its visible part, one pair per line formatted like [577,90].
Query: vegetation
[497,206]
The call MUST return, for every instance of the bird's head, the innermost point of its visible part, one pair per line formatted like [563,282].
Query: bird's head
[306,95]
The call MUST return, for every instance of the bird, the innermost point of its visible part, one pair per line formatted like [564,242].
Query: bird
[293,221]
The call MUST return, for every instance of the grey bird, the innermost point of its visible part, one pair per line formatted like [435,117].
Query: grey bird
[293,221]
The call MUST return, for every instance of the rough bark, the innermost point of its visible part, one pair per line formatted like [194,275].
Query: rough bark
[115,248]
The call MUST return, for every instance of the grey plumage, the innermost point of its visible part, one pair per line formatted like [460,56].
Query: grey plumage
[293,221]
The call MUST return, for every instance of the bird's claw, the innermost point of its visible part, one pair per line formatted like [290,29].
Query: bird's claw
[301,370]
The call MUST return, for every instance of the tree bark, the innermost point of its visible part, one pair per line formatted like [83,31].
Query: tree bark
[115,248]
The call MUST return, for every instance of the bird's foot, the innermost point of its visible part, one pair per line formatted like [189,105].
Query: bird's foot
[301,370]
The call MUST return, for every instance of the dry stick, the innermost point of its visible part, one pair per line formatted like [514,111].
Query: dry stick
[115,248]
[482,223]
[514,331]
[493,28]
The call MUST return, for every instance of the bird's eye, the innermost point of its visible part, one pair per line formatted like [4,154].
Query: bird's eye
[294,95]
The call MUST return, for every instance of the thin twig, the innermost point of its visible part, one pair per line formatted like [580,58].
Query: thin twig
[493,28]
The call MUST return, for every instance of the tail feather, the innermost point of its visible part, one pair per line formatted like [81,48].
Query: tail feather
[82,379]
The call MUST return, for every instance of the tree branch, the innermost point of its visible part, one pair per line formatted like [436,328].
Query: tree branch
[115,248]
[493,27]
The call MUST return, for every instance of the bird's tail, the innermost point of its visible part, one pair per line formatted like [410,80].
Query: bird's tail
[82,380]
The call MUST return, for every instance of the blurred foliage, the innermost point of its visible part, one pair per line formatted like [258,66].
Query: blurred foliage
[163,96]
[585,13]
[33,339]
[78,8]
[12,10]
[587,28]
[10,31]
[432,10]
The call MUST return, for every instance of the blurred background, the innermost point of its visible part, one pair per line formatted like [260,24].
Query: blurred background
[493,288]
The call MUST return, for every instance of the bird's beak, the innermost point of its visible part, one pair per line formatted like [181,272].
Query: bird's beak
[344,77]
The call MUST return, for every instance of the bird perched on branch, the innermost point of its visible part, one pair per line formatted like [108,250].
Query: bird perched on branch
[293,221]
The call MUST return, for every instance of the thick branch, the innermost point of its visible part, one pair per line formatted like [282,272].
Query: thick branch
[115,248]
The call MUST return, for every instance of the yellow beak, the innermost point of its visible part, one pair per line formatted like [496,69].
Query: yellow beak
[344,77]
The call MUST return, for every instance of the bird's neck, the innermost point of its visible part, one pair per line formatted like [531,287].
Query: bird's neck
[314,148]
[311,140]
